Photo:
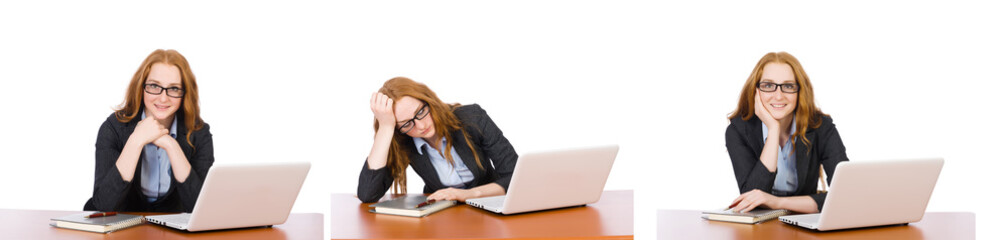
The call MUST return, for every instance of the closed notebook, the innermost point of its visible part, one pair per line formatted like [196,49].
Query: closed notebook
[97,224]
[406,206]
[751,217]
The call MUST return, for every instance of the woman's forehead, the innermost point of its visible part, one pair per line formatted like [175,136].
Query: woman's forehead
[778,72]
[164,74]
[406,107]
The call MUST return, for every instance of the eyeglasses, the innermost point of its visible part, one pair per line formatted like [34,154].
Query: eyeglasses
[420,115]
[784,87]
[174,92]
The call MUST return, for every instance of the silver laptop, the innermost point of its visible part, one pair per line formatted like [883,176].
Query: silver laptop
[239,196]
[876,193]
[555,179]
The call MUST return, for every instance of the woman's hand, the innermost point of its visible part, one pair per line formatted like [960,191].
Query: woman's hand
[165,141]
[147,131]
[752,199]
[381,106]
[453,194]
[764,114]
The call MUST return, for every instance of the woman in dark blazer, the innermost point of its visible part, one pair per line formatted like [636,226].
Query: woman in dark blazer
[776,154]
[154,152]
[457,150]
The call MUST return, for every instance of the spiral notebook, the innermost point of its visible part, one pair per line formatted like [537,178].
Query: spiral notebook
[406,206]
[98,224]
[751,217]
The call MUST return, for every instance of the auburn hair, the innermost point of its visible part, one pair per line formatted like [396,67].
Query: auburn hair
[443,116]
[806,114]
[133,104]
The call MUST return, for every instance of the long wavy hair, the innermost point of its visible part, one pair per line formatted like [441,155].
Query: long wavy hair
[133,104]
[806,114]
[444,120]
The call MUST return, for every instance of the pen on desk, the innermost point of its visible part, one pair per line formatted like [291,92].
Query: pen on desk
[428,202]
[101,214]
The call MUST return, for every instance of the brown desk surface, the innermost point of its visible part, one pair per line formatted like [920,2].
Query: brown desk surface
[34,224]
[610,218]
[682,224]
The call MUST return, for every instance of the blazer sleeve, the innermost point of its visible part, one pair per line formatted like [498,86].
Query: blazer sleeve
[750,173]
[110,190]
[496,147]
[373,183]
[201,159]
[832,153]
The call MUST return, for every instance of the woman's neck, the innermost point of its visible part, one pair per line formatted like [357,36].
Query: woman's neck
[434,141]
[785,129]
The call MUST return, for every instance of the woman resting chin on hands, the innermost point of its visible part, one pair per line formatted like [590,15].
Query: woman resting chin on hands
[154,152]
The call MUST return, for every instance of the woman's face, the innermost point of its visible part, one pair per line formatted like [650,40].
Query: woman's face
[161,106]
[779,103]
[409,109]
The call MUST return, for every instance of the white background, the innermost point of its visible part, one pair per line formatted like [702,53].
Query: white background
[290,82]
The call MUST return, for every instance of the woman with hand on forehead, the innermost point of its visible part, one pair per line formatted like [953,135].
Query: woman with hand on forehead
[778,138]
[456,149]
[153,153]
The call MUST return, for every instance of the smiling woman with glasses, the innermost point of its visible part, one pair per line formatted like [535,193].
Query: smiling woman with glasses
[456,149]
[154,152]
[778,139]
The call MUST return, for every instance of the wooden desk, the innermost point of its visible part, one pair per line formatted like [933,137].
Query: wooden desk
[680,224]
[610,218]
[34,224]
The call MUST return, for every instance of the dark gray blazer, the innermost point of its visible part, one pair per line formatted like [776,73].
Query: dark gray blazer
[111,193]
[744,140]
[495,152]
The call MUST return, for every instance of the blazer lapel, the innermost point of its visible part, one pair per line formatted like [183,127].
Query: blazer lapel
[421,164]
[755,132]
[180,134]
[459,144]
[803,158]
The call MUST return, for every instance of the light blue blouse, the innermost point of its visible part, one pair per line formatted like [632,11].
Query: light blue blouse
[786,181]
[154,178]
[455,177]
